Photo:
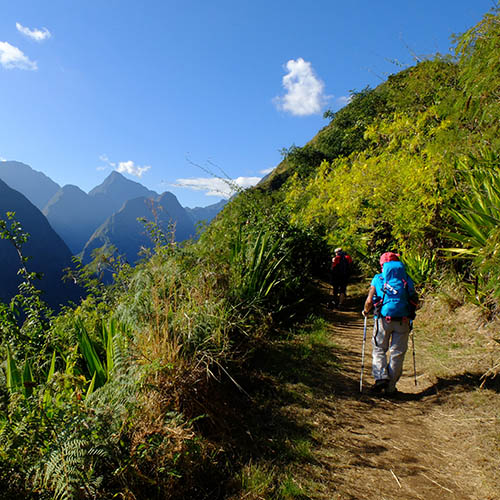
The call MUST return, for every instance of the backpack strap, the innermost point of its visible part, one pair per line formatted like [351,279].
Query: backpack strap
[412,304]
[379,305]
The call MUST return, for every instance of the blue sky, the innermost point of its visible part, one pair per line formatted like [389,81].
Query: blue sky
[159,88]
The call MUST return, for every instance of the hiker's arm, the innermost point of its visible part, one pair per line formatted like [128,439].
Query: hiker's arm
[369,301]
[413,296]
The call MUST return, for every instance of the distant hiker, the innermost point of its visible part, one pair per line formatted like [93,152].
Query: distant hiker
[340,272]
[392,295]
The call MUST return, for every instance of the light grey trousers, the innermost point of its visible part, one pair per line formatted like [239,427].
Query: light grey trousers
[389,336]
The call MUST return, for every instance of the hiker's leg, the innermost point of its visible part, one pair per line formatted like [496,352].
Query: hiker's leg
[399,345]
[342,291]
[335,290]
[380,345]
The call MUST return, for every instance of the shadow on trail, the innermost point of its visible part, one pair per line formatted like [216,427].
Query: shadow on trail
[463,382]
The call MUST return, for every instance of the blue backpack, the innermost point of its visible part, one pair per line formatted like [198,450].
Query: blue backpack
[393,292]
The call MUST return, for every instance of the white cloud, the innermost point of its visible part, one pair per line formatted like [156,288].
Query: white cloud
[128,167]
[131,168]
[11,57]
[39,35]
[304,90]
[266,171]
[2,159]
[217,187]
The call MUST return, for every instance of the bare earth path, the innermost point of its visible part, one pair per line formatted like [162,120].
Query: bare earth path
[432,443]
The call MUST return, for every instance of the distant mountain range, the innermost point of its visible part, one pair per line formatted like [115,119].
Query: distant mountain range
[76,215]
[47,251]
[81,222]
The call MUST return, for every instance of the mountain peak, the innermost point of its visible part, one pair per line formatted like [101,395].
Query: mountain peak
[116,175]
[35,185]
[120,189]
[113,177]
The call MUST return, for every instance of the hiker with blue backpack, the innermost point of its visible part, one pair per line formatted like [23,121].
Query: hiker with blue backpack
[393,298]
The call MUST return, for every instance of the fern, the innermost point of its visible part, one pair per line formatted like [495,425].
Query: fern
[67,471]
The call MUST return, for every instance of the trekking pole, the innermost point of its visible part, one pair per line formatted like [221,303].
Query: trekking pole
[363,357]
[413,348]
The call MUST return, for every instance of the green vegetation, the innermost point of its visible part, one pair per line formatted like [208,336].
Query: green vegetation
[106,397]
[130,393]
[414,169]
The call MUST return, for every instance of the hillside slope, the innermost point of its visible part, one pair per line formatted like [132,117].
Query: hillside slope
[47,252]
[75,215]
[36,186]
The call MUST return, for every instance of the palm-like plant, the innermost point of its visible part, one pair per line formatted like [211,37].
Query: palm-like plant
[420,266]
[257,265]
[477,219]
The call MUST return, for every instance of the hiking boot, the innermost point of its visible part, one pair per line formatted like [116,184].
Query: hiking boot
[394,394]
[380,385]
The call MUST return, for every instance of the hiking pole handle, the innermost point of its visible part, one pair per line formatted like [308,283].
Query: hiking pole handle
[363,356]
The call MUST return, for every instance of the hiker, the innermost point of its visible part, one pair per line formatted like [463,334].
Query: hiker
[393,298]
[340,272]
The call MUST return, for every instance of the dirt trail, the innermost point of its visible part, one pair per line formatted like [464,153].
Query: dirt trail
[428,444]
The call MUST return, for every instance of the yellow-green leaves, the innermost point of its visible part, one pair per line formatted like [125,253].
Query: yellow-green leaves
[387,195]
